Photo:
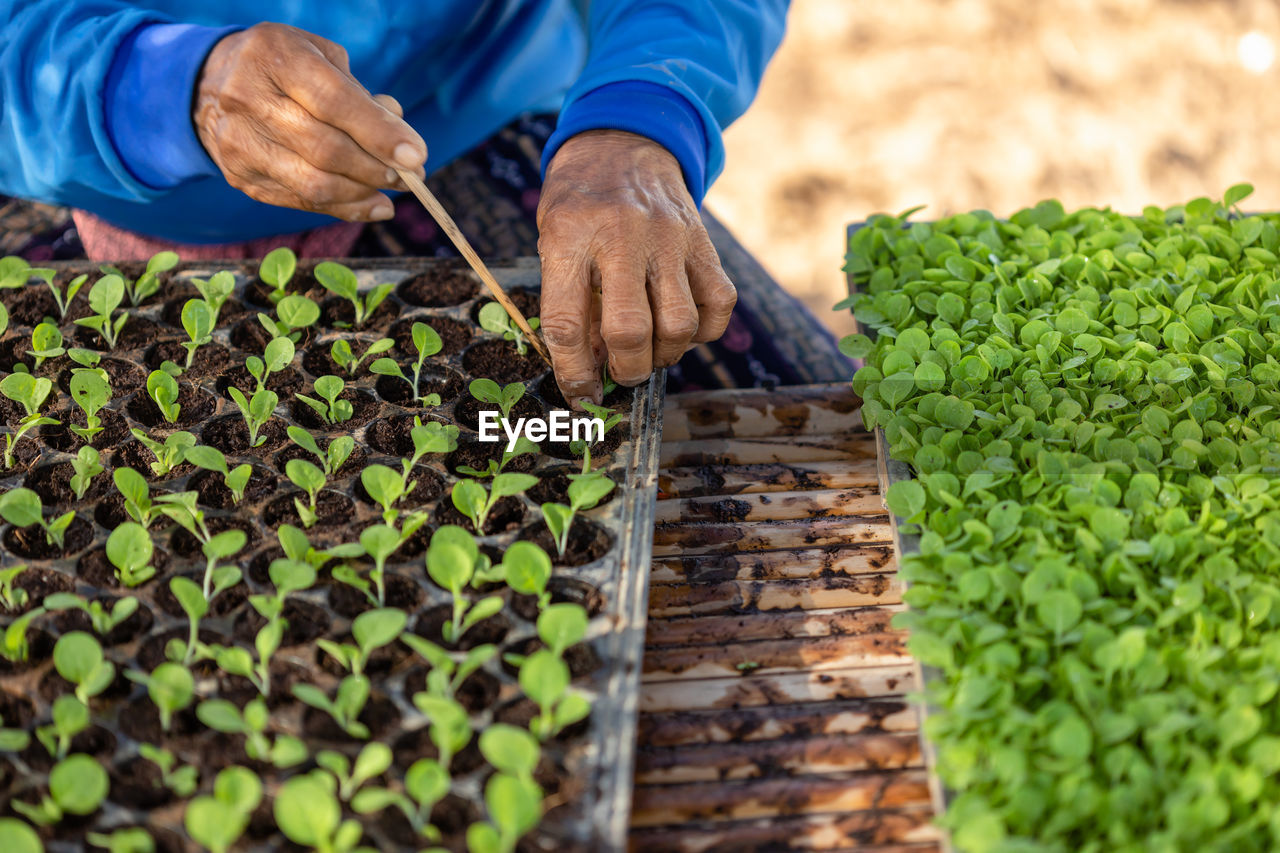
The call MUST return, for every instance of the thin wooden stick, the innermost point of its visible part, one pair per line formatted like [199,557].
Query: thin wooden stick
[441,216]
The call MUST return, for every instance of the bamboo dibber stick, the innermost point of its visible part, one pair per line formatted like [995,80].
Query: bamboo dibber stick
[442,217]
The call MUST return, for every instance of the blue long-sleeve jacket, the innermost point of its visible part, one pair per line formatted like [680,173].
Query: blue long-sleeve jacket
[95,95]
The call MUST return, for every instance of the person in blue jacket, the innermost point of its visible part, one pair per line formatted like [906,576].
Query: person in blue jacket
[198,123]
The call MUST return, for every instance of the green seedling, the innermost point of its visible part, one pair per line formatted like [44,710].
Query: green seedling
[46,343]
[130,550]
[427,343]
[84,357]
[163,391]
[198,319]
[585,492]
[379,541]
[148,284]
[504,397]
[610,418]
[70,718]
[132,486]
[104,298]
[431,437]
[130,839]
[223,716]
[450,730]
[510,750]
[426,783]
[102,620]
[277,269]
[215,291]
[330,408]
[77,786]
[216,822]
[256,411]
[295,313]
[14,740]
[17,837]
[4,319]
[562,625]
[168,453]
[222,546]
[13,598]
[196,605]
[29,392]
[522,446]
[297,549]
[452,560]
[91,390]
[494,318]
[78,658]
[213,459]
[235,660]
[386,486]
[21,507]
[15,272]
[474,501]
[515,807]
[181,508]
[15,647]
[308,813]
[527,569]
[87,464]
[332,457]
[181,779]
[344,708]
[63,298]
[371,630]
[447,673]
[374,760]
[342,356]
[276,356]
[341,282]
[544,678]
[311,480]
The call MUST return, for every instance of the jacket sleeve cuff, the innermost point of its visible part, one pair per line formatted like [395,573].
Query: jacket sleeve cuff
[646,109]
[148,98]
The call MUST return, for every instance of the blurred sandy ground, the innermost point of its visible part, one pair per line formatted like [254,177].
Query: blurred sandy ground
[880,105]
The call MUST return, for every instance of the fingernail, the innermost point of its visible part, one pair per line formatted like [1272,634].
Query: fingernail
[408,156]
[392,177]
[382,210]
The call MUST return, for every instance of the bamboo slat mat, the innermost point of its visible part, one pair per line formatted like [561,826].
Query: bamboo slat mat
[772,702]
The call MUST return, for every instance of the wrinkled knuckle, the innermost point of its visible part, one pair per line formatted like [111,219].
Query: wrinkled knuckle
[627,331]
[316,188]
[676,325]
[723,298]
[561,329]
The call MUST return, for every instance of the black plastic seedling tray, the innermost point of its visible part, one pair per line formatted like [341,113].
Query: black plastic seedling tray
[586,772]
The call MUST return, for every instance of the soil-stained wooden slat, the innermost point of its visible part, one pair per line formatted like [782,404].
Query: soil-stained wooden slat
[741,691]
[771,477]
[809,756]
[778,625]
[752,451]
[775,722]
[680,539]
[654,805]
[751,596]
[779,506]
[790,410]
[788,564]
[905,830]
[766,657]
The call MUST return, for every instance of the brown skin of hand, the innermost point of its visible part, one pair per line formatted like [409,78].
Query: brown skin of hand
[616,219]
[280,114]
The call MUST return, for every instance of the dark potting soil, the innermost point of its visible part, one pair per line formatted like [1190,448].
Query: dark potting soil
[440,288]
[587,542]
[209,360]
[502,361]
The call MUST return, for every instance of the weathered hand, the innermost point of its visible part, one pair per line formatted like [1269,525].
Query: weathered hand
[280,114]
[617,219]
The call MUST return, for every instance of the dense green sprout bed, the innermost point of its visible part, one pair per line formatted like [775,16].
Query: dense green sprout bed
[1089,404]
